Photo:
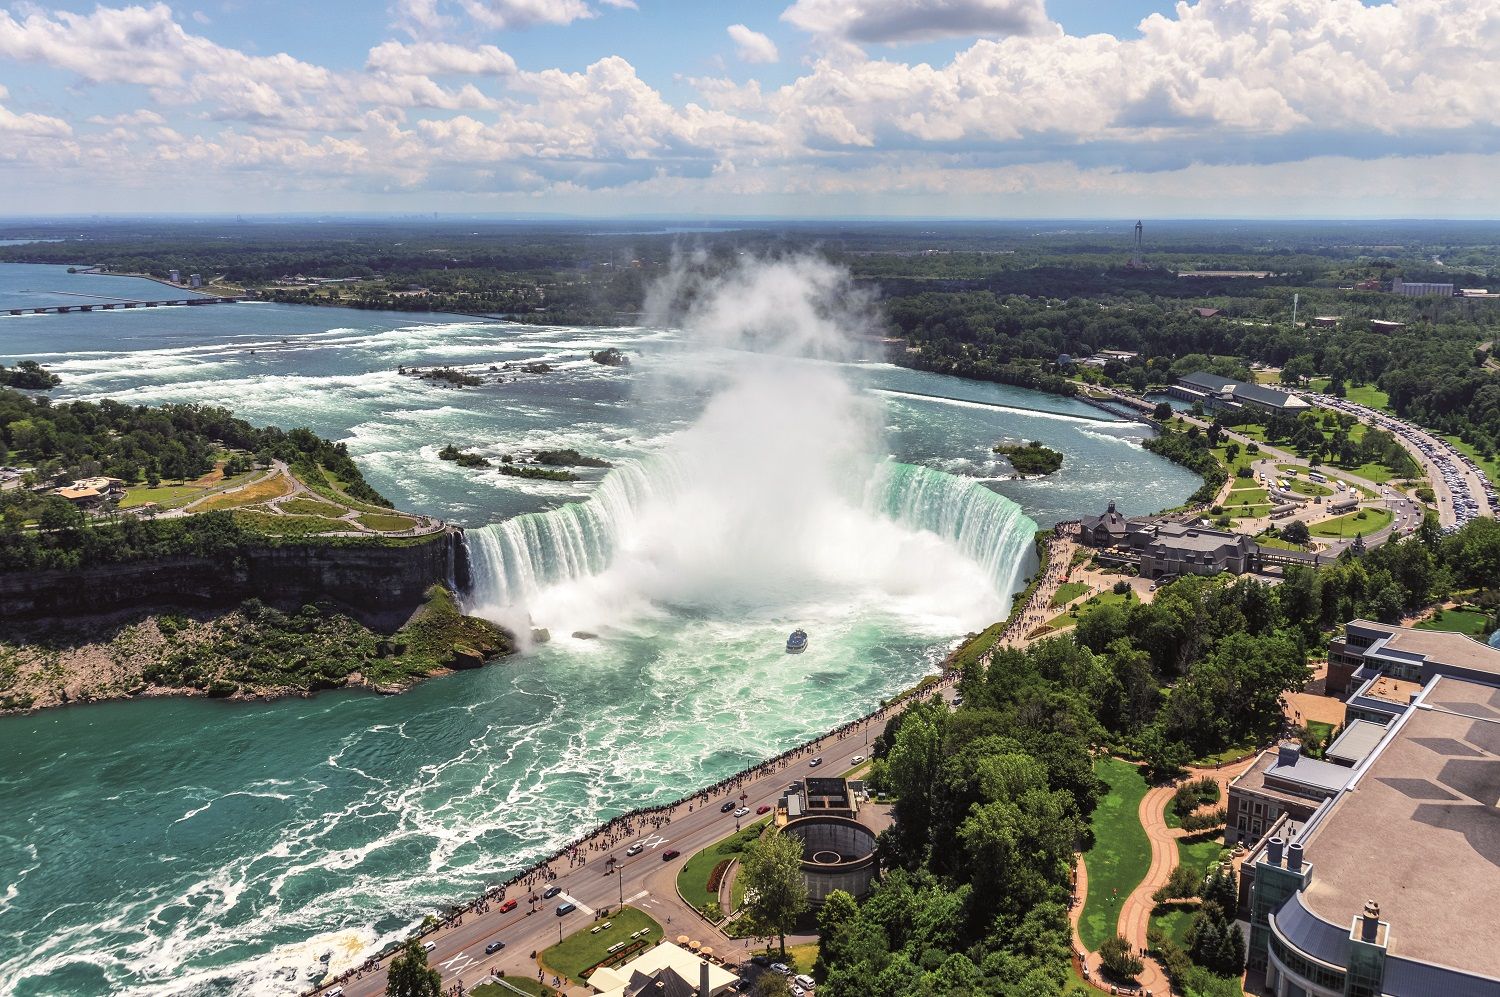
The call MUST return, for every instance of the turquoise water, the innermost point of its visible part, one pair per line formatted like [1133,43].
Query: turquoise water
[197,847]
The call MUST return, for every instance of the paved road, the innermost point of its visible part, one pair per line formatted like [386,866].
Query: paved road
[644,881]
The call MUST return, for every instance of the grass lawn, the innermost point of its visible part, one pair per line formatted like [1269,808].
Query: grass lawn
[386,523]
[1229,754]
[1377,473]
[1368,395]
[1106,598]
[1350,524]
[583,949]
[692,880]
[1459,621]
[1276,542]
[178,494]
[312,507]
[1320,729]
[1067,592]
[1198,852]
[1251,494]
[526,986]
[802,957]
[1309,487]
[288,526]
[1121,854]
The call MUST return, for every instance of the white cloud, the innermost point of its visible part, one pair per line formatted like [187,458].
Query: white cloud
[30,125]
[426,17]
[891,21]
[438,59]
[752,46]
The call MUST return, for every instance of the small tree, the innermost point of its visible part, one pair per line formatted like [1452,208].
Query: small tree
[1119,958]
[1162,412]
[1296,532]
[772,868]
[410,976]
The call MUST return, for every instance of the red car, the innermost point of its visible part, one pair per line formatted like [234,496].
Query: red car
[670,855]
[762,810]
[508,906]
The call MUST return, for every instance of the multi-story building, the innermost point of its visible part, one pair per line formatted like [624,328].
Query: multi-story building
[1282,782]
[1215,392]
[1386,887]
[1370,651]
[1421,289]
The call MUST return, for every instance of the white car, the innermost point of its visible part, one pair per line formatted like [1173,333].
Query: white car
[635,849]
[804,981]
[857,759]
[798,991]
[742,811]
[782,968]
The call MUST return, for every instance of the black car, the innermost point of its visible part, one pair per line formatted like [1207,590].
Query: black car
[552,891]
[493,947]
[728,806]
[760,960]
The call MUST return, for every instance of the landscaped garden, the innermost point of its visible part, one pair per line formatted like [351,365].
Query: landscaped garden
[1361,523]
[1464,620]
[697,882]
[578,954]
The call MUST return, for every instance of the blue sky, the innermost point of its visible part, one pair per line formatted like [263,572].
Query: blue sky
[965,108]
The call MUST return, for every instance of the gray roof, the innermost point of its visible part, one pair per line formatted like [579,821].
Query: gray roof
[1417,831]
[1311,772]
[1357,741]
[1204,381]
[1268,396]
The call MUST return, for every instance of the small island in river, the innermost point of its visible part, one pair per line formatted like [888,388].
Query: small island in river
[1031,460]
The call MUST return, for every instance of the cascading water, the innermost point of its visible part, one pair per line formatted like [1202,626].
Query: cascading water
[515,561]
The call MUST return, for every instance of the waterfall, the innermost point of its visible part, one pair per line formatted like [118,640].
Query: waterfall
[514,560]
[986,527]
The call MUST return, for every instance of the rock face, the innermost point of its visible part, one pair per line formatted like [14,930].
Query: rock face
[370,579]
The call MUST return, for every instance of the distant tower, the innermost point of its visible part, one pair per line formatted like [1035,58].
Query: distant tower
[1135,257]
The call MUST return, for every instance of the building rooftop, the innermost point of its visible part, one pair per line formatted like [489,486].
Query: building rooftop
[1356,742]
[1287,785]
[1196,538]
[1211,383]
[1418,832]
[1269,396]
[665,955]
[1429,648]
[1392,690]
[1294,768]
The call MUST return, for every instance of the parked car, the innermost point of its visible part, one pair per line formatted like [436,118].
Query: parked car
[728,806]
[857,759]
[669,855]
[782,968]
[635,849]
[804,981]
[760,960]
[493,947]
[552,891]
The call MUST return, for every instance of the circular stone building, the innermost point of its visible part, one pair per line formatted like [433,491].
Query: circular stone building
[838,853]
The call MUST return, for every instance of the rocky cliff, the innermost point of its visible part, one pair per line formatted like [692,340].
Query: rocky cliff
[372,580]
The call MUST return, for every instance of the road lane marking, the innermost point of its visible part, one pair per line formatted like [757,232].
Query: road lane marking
[589,911]
[458,963]
[638,896]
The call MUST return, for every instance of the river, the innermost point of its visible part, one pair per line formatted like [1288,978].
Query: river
[188,846]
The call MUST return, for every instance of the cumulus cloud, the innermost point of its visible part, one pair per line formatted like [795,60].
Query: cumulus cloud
[424,17]
[894,21]
[752,46]
[438,59]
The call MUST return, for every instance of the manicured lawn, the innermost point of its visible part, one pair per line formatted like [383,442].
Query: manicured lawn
[312,507]
[1377,473]
[581,950]
[1276,542]
[1121,854]
[1106,598]
[1309,487]
[386,523]
[288,526]
[1067,592]
[1368,395]
[692,880]
[178,494]
[1251,494]
[1350,524]
[1459,621]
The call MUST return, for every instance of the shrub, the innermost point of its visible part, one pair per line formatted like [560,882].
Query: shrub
[1202,820]
[717,876]
[1119,959]
[1121,587]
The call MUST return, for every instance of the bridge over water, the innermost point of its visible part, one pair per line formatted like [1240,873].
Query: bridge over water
[109,306]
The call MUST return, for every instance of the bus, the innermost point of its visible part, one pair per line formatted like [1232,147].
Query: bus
[1315,476]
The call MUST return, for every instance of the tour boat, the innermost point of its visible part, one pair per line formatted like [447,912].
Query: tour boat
[797,642]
